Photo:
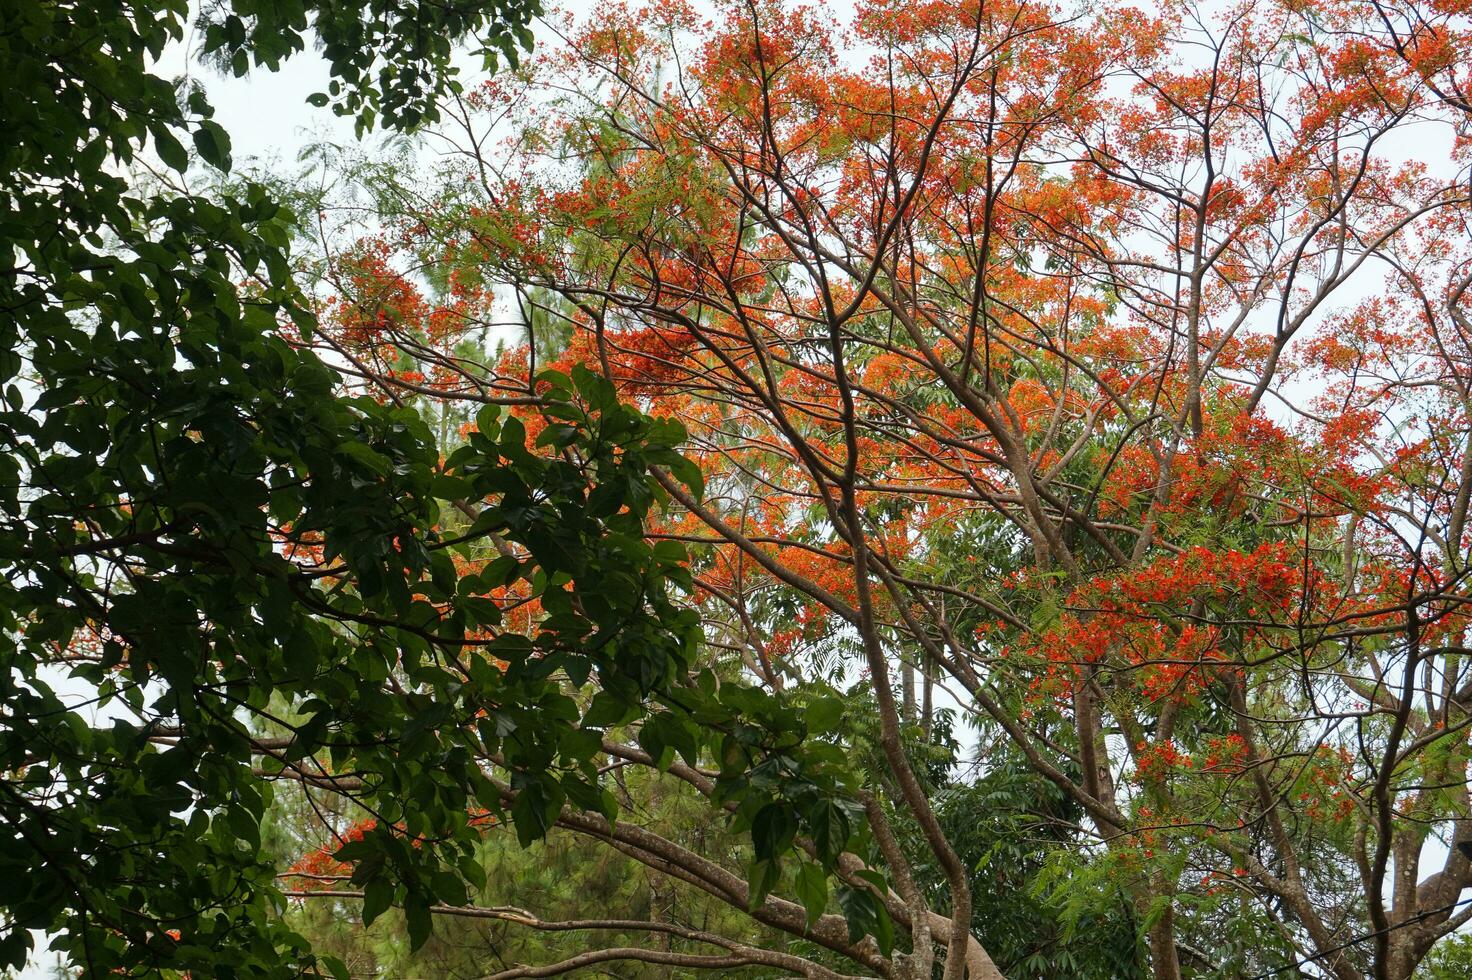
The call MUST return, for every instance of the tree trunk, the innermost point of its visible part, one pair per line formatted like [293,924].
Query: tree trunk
[1165,963]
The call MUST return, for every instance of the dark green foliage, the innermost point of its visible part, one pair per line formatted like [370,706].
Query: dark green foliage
[390,61]
[155,429]
[1009,825]
[1449,960]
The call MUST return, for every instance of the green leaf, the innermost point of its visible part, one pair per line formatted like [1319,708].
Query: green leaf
[773,830]
[829,829]
[606,709]
[823,715]
[535,810]
[596,390]
[378,895]
[449,888]
[811,886]
[375,461]
[213,144]
[447,487]
[419,920]
[688,473]
[488,420]
[169,149]
[762,877]
[337,968]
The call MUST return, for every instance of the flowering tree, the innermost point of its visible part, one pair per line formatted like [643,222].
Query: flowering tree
[1102,374]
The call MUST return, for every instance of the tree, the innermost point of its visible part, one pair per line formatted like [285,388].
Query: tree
[1108,369]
